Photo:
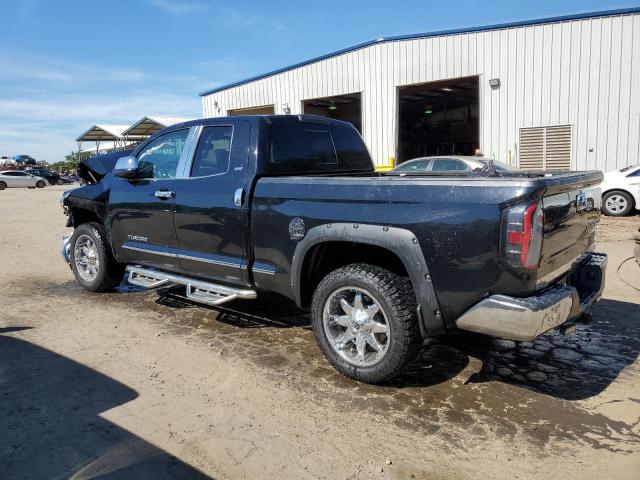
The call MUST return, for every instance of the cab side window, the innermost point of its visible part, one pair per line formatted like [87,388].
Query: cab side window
[213,151]
[160,158]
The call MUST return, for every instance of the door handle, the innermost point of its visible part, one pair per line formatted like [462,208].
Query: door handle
[238,197]
[164,194]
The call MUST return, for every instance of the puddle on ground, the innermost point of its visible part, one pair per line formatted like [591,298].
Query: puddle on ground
[513,388]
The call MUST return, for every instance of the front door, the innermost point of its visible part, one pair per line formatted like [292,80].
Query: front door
[210,214]
[141,209]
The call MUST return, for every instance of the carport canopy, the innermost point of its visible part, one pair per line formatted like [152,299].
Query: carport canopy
[103,132]
[147,126]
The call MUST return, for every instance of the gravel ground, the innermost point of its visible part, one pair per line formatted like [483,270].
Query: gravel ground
[137,384]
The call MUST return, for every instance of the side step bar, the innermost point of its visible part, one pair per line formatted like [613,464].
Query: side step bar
[197,290]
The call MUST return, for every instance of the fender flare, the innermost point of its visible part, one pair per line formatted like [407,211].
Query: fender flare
[399,241]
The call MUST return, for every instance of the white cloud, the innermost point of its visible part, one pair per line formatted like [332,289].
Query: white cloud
[20,65]
[178,7]
[228,17]
[46,127]
[233,18]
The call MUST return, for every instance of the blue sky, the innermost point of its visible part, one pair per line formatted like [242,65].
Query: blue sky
[66,65]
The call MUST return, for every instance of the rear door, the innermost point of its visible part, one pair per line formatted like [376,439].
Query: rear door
[141,210]
[211,216]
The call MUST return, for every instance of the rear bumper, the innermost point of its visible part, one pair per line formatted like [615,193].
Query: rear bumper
[524,319]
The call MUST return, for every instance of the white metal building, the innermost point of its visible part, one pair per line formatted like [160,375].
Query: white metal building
[560,92]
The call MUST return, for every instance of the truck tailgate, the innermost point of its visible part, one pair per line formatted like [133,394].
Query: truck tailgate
[570,219]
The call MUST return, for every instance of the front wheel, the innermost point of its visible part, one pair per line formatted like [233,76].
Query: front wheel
[365,322]
[617,203]
[3,185]
[91,259]
[40,184]
[60,182]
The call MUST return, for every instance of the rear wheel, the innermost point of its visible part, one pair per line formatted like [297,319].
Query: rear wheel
[60,182]
[364,320]
[40,184]
[3,185]
[91,259]
[617,203]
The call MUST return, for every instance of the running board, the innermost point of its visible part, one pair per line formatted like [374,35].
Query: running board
[197,290]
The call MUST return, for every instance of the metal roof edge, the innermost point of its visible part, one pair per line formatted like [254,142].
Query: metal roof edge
[521,23]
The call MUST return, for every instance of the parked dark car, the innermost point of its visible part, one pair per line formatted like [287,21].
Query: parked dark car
[231,207]
[51,177]
[24,160]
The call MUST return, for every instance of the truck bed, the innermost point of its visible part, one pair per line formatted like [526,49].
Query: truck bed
[456,217]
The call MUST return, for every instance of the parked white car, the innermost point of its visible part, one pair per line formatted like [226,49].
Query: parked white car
[17,179]
[621,191]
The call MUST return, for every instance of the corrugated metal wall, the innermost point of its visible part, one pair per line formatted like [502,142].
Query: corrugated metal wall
[585,73]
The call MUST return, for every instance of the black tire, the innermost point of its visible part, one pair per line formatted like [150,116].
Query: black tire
[40,184]
[395,295]
[60,182]
[619,212]
[110,272]
[3,185]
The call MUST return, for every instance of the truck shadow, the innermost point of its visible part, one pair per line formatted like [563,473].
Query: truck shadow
[51,424]
[570,367]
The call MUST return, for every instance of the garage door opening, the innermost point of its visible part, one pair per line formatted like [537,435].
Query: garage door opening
[264,110]
[341,107]
[438,118]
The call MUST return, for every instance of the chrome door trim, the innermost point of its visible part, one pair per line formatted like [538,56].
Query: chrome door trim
[183,256]
[149,250]
[186,159]
[263,271]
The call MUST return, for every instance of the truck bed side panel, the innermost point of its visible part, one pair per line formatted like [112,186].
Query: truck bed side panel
[457,223]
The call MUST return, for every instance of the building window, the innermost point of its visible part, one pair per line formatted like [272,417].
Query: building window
[545,148]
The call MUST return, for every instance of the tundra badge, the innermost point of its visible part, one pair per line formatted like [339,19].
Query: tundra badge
[137,238]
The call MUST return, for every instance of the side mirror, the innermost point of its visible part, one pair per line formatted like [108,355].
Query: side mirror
[126,167]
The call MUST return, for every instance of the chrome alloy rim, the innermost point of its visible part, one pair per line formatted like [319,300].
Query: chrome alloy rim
[86,258]
[616,203]
[356,326]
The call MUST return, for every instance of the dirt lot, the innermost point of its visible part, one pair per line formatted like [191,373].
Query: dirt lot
[139,384]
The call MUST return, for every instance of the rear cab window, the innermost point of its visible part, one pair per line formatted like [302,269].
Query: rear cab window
[300,147]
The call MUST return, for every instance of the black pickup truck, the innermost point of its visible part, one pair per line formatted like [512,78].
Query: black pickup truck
[231,207]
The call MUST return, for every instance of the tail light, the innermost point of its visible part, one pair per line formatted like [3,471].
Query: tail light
[522,232]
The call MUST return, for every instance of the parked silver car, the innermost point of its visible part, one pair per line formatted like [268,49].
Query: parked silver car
[449,163]
[18,179]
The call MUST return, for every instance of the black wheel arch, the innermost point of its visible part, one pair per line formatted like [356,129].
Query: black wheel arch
[399,242]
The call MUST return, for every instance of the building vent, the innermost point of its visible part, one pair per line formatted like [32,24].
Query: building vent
[545,148]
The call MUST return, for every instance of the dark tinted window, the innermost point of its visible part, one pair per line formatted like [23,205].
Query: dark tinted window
[634,174]
[447,165]
[300,147]
[213,152]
